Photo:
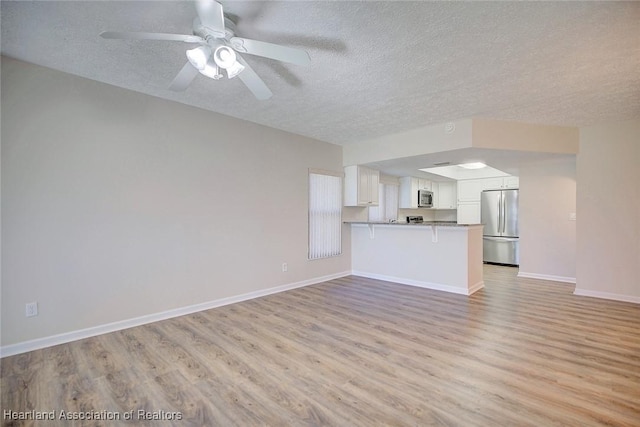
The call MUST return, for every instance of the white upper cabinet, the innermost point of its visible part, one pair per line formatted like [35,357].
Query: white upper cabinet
[361,186]
[409,186]
[445,195]
[469,190]
[511,182]
[501,183]
[491,184]
[408,196]
[424,184]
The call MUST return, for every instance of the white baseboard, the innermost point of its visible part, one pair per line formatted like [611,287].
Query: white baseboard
[36,344]
[607,295]
[421,284]
[547,277]
[473,289]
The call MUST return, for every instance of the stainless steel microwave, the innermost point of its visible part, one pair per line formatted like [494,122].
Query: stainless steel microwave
[425,199]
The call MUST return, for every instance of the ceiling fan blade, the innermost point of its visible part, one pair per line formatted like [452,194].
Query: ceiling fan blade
[270,50]
[253,81]
[211,16]
[184,78]
[151,36]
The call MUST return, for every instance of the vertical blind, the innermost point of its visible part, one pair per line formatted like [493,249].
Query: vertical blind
[325,215]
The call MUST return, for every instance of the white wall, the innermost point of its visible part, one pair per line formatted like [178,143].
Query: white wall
[117,205]
[608,171]
[429,139]
[507,135]
[547,236]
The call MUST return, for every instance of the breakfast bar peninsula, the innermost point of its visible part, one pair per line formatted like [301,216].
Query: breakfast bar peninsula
[443,256]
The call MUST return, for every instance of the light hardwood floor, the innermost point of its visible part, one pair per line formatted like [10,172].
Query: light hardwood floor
[357,352]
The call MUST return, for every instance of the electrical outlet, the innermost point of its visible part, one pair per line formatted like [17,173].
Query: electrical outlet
[572,216]
[31,309]
[285,267]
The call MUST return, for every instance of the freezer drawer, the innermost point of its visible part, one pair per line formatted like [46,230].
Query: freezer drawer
[501,250]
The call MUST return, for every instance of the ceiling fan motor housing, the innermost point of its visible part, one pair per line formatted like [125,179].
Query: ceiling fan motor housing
[210,35]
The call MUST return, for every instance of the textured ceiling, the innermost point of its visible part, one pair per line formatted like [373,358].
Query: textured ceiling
[377,67]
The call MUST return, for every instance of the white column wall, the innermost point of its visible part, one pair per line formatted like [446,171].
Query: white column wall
[608,242]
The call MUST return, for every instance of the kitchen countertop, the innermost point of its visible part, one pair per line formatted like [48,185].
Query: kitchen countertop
[418,224]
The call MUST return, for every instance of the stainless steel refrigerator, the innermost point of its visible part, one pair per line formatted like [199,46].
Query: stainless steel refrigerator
[499,214]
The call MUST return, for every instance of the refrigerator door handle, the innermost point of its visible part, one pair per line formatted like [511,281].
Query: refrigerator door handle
[500,213]
[504,213]
[500,239]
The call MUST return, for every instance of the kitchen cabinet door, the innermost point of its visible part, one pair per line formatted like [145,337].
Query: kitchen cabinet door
[469,190]
[511,182]
[501,183]
[408,197]
[469,213]
[361,186]
[370,194]
[493,183]
[425,184]
[445,195]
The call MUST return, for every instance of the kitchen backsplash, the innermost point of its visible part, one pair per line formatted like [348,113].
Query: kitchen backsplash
[428,214]
[350,214]
[446,215]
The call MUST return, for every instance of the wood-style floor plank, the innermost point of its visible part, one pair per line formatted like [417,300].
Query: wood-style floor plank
[357,352]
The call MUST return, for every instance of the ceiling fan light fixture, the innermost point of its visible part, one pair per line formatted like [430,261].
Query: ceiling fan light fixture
[199,57]
[211,70]
[234,70]
[226,58]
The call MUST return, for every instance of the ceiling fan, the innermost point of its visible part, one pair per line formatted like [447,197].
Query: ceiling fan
[219,50]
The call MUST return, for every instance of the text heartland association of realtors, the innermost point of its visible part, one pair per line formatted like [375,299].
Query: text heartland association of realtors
[138,415]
